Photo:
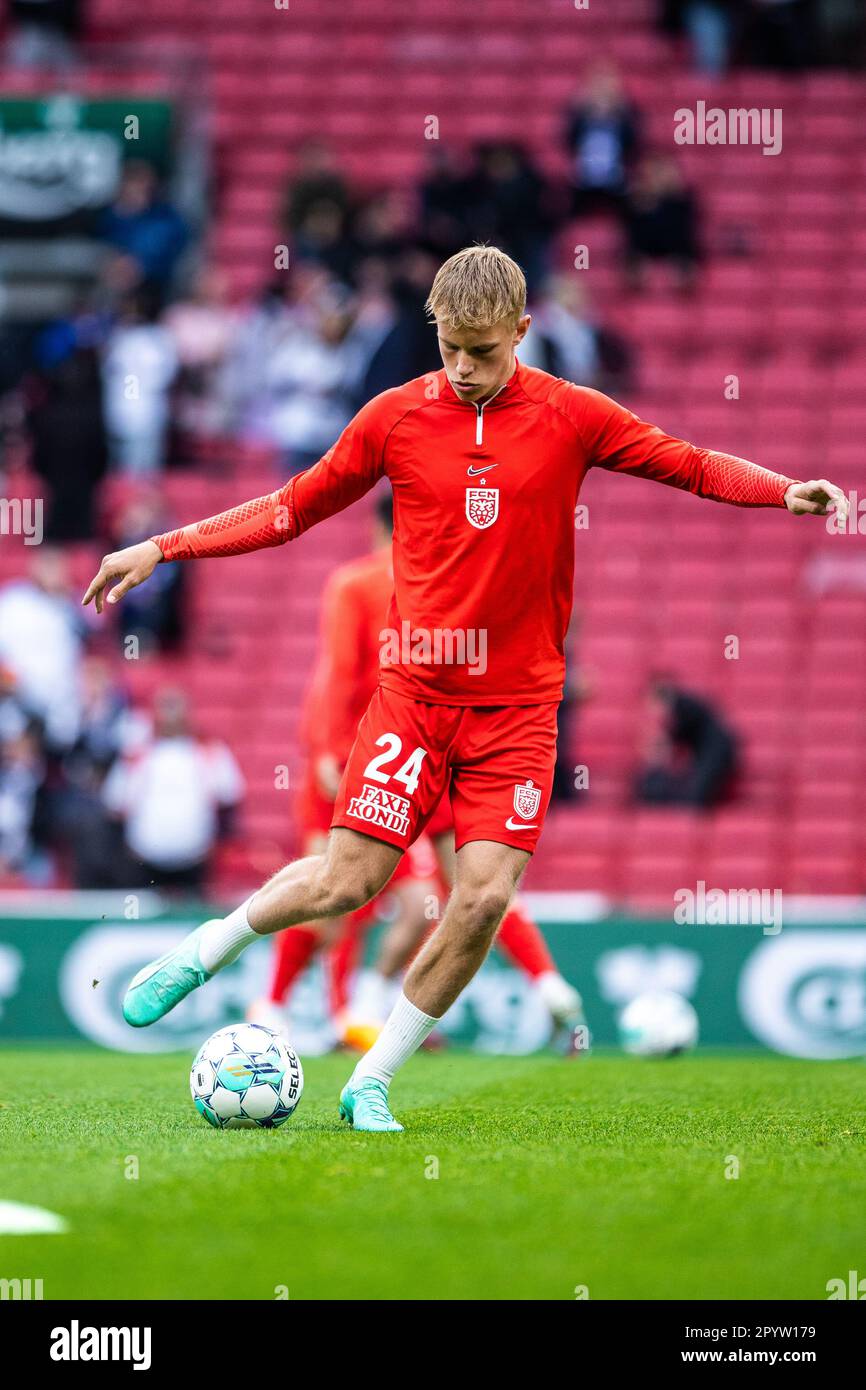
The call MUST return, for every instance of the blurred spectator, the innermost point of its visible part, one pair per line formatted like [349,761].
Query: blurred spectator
[381,228]
[260,330]
[316,210]
[152,613]
[173,796]
[107,726]
[322,237]
[66,425]
[507,205]
[711,26]
[842,25]
[119,275]
[313,373]
[139,366]
[317,180]
[22,772]
[444,202]
[76,813]
[14,715]
[202,327]
[40,643]
[143,225]
[43,33]
[781,34]
[693,754]
[784,34]
[260,326]
[59,339]
[407,348]
[566,786]
[564,339]
[92,316]
[601,138]
[661,220]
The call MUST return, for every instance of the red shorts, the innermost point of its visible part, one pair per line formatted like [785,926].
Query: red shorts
[497,763]
[315,811]
[442,820]
[317,815]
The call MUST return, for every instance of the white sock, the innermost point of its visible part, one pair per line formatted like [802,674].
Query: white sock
[402,1035]
[560,998]
[222,941]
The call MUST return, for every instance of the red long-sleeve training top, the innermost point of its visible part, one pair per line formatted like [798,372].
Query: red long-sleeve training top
[484,500]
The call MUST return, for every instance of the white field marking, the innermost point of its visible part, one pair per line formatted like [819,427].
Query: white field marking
[17,1219]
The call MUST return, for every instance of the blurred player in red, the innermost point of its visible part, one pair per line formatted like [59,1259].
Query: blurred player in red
[354,608]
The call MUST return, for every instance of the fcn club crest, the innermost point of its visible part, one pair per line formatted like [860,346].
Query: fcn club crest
[482,506]
[527,800]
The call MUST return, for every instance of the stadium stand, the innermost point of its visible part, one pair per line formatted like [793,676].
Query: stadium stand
[662,579]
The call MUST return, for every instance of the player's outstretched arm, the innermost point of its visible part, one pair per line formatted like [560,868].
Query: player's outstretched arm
[345,473]
[266,521]
[616,439]
[124,569]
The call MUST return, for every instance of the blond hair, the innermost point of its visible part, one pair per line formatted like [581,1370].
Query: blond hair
[478,287]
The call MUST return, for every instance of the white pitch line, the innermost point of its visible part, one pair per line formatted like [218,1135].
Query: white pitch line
[17,1219]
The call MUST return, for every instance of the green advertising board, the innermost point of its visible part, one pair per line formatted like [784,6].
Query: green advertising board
[800,990]
[61,157]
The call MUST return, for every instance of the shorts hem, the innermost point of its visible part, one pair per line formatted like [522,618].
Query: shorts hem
[497,839]
[384,837]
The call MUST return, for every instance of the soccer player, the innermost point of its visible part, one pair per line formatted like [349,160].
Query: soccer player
[485,459]
[354,607]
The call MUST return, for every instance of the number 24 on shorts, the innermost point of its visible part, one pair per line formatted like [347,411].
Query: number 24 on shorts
[408,774]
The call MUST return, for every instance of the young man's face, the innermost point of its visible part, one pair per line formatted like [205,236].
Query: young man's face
[479,360]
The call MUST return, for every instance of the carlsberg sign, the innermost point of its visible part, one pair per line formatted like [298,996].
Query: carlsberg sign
[62,157]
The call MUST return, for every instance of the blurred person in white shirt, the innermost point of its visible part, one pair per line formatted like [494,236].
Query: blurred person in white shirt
[301,363]
[313,377]
[568,340]
[41,633]
[203,327]
[563,339]
[138,369]
[14,718]
[173,794]
[22,773]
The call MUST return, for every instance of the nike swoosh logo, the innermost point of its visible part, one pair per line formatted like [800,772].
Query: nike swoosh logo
[475,472]
[519,825]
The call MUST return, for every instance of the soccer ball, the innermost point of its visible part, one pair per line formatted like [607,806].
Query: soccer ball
[658,1024]
[246,1076]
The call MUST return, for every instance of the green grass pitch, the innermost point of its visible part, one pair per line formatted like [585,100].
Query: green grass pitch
[607,1172]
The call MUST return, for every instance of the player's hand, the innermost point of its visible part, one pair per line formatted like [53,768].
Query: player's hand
[130,567]
[328,776]
[817,498]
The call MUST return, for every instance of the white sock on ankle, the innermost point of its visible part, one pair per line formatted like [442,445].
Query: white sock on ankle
[402,1035]
[223,940]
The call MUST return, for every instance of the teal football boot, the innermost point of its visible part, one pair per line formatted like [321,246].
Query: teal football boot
[156,989]
[365,1106]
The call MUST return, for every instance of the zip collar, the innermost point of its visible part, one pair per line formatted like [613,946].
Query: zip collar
[480,407]
[507,391]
